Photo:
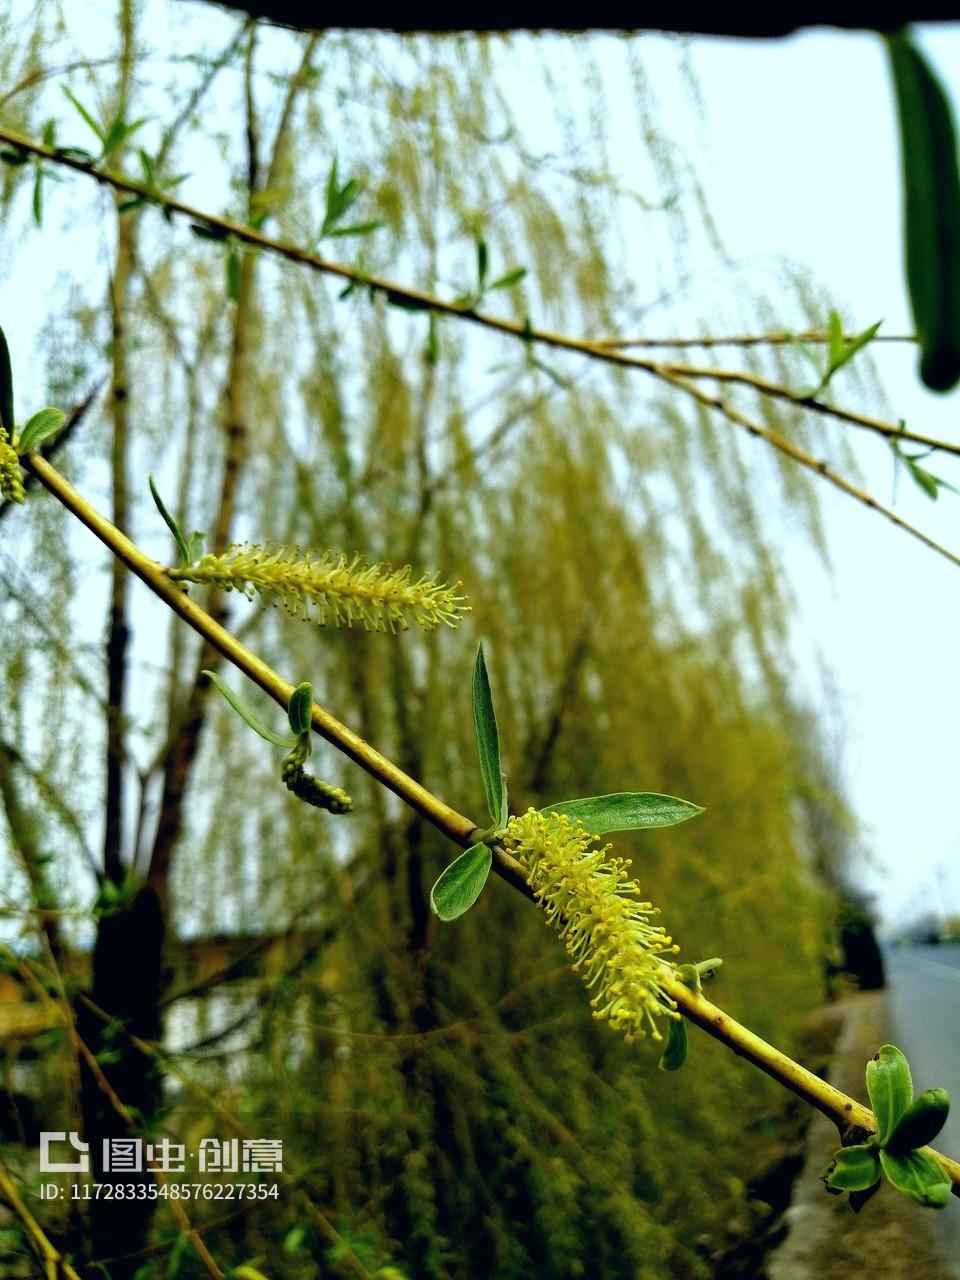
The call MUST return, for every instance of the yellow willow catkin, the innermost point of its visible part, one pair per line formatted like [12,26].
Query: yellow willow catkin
[596,910]
[11,481]
[331,588]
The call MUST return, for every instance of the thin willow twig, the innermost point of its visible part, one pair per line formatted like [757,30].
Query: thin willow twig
[741,377]
[805,459]
[777,338]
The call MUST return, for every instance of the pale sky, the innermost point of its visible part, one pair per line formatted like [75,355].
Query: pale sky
[887,620]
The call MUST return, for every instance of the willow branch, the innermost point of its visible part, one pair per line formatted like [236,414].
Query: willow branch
[777,338]
[848,1114]
[603,350]
[805,459]
[764,386]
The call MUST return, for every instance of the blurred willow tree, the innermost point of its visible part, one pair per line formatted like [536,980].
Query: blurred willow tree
[450,1105]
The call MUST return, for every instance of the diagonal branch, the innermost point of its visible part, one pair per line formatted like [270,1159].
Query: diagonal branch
[777,338]
[850,1116]
[741,377]
[817,465]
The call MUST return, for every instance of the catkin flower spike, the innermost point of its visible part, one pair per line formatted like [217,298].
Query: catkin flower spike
[329,588]
[596,910]
[322,795]
[11,480]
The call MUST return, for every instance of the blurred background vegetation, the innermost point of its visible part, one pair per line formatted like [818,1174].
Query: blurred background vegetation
[446,1103]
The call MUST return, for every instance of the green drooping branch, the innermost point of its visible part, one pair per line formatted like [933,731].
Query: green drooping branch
[855,1122]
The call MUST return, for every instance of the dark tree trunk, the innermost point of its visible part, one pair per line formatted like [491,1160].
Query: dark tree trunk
[127,981]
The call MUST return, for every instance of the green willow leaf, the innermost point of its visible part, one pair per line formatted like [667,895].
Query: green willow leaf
[359,229]
[206,231]
[625,811]
[233,275]
[300,708]
[119,133]
[853,1169]
[459,885]
[37,201]
[182,546]
[675,1054]
[920,1123]
[41,427]
[918,1176]
[510,279]
[6,387]
[890,1088]
[483,263]
[247,714]
[488,742]
[85,114]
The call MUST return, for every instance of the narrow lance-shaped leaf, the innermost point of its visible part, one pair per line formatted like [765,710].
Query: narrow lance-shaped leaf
[890,1088]
[233,275]
[247,714]
[625,811]
[37,201]
[459,885]
[118,133]
[931,211]
[510,279]
[358,229]
[6,387]
[171,524]
[87,117]
[488,742]
[835,343]
[483,261]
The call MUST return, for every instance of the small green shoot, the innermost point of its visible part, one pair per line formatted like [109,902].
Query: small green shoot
[839,353]
[924,479]
[904,1126]
[340,199]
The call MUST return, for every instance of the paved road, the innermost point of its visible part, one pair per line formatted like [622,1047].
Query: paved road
[924,1010]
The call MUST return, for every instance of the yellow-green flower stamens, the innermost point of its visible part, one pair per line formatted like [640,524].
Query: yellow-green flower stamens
[11,481]
[597,911]
[331,588]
